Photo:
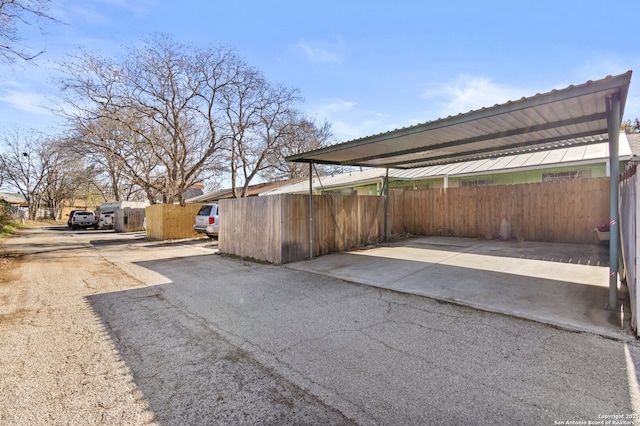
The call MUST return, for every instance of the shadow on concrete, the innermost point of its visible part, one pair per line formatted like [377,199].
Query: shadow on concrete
[582,254]
[563,285]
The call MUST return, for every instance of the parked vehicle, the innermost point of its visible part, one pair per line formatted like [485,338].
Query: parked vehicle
[82,219]
[207,220]
[70,216]
[105,218]
[107,211]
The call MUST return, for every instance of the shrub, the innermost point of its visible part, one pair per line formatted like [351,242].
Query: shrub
[7,222]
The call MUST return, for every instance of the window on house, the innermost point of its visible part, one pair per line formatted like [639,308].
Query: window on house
[476,182]
[344,191]
[575,174]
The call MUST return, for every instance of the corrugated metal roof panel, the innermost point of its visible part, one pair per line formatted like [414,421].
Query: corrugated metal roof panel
[519,160]
[499,163]
[597,151]
[455,168]
[536,158]
[531,160]
[576,115]
[555,156]
[472,166]
[575,153]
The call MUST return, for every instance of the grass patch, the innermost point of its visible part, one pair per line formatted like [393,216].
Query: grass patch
[245,258]
[7,229]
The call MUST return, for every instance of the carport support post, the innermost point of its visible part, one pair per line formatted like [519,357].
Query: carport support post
[310,209]
[387,224]
[614,121]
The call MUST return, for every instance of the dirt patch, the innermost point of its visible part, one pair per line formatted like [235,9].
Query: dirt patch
[7,261]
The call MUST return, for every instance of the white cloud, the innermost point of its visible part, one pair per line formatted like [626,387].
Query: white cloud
[468,93]
[323,53]
[348,121]
[333,106]
[25,101]
[351,121]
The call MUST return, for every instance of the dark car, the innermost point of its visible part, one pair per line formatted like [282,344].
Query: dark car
[70,216]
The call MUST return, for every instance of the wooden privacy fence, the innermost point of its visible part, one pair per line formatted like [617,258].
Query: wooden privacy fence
[564,211]
[630,238]
[171,221]
[276,228]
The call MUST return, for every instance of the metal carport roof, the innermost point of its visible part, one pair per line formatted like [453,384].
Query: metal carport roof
[576,115]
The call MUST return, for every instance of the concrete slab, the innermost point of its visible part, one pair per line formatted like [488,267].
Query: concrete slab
[564,285]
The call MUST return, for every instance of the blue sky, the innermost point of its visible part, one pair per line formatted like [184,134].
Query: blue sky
[366,67]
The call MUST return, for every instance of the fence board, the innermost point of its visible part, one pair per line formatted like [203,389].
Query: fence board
[629,238]
[563,211]
[171,221]
[276,228]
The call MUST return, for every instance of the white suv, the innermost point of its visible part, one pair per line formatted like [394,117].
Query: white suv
[207,220]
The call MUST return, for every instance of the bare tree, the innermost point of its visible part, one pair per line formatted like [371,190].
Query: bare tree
[44,171]
[20,168]
[304,135]
[261,118]
[629,126]
[161,98]
[15,14]
[64,174]
[169,115]
[39,169]
[120,157]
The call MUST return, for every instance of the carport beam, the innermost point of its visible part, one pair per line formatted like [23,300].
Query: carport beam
[614,121]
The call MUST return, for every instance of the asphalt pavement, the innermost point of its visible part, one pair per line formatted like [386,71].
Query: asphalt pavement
[104,328]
